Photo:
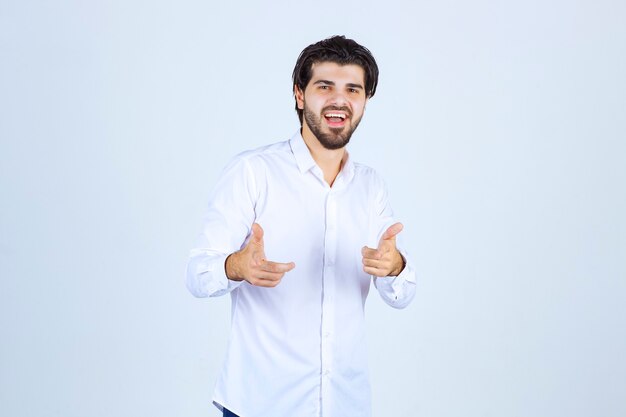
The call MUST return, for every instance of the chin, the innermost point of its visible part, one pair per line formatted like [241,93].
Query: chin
[334,143]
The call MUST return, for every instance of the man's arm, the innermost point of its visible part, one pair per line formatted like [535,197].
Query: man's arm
[230,249]
[390,267]
[226,228]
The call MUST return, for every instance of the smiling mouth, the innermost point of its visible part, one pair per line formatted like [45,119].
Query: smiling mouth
[335,119]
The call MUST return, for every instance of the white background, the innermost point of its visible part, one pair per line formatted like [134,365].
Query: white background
[500,127]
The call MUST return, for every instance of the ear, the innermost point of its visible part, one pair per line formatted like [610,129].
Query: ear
[299,95]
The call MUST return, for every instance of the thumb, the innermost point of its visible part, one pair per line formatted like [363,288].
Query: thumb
[391,233]
[257,234]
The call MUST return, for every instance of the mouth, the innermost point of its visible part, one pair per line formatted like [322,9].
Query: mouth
[335,118]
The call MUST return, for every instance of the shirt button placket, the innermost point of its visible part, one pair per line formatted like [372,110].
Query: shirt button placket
[330,242]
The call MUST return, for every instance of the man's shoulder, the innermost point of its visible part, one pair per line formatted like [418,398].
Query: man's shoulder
[368,173]
[277,149]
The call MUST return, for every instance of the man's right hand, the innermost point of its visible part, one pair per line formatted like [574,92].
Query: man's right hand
[250,264]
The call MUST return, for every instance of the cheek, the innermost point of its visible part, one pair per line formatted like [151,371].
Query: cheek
[358,108]
[314,104]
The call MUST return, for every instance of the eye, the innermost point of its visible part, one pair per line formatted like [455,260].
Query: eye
[323,87]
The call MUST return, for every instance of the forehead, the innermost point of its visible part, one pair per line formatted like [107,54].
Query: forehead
[331,71]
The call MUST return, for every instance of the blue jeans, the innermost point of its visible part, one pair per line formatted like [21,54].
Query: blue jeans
[228,413]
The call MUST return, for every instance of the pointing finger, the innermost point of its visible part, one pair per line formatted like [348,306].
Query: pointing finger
[270,266]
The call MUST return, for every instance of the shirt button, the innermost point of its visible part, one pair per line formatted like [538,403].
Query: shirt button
[326,372]
[327,334]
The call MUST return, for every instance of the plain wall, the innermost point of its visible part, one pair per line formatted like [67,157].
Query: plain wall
[499,126]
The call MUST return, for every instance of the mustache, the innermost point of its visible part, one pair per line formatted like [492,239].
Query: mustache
[342,108]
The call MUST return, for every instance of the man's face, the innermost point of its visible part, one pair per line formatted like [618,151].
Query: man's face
[333,102]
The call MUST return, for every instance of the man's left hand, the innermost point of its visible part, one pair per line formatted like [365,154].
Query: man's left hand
[384,260]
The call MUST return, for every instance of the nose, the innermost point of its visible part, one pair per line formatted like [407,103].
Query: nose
[338,99]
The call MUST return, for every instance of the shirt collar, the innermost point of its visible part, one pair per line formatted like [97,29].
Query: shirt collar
[301,152]
[347,168]
[305,161]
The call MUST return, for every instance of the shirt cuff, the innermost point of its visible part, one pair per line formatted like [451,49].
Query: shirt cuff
[211,279]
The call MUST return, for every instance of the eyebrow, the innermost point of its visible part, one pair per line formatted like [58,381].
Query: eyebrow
[351,85]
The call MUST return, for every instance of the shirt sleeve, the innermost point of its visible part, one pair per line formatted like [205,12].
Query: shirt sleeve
[397,291]
[226,229]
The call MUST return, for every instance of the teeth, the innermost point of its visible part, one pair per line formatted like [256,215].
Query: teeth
[342,116]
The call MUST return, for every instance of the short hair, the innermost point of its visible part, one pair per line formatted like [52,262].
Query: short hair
[341,51]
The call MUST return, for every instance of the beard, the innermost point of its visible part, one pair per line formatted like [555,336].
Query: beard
[335,137]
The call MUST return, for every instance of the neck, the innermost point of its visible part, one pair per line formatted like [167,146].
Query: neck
[329,160]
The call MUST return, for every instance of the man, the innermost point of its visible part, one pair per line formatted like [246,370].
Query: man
[295,232]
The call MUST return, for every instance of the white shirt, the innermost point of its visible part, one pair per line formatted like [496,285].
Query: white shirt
[298,349]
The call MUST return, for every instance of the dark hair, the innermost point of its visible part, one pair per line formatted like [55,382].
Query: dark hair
[341,51]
